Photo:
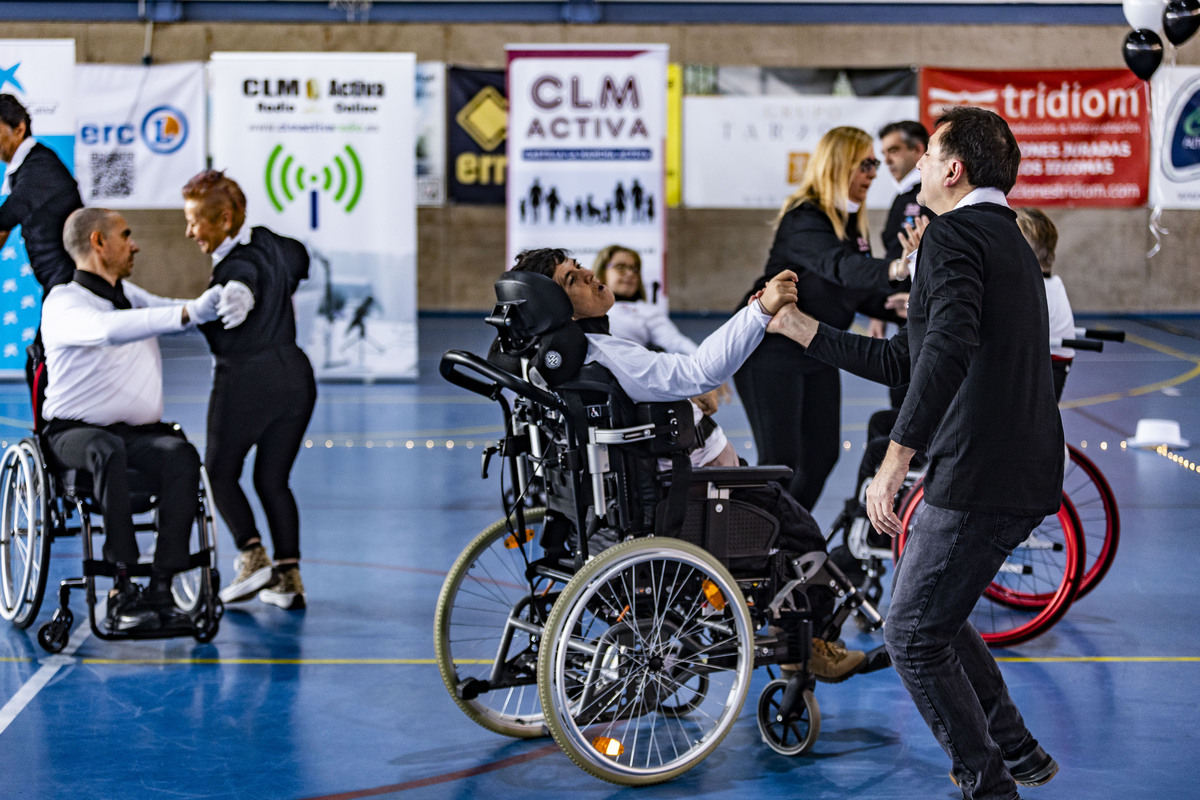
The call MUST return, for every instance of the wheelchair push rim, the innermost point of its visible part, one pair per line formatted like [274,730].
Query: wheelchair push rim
[24,536]
[646,661]
[486,605]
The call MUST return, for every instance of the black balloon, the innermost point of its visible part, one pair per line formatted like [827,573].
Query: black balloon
[1143,52]
[1180,20]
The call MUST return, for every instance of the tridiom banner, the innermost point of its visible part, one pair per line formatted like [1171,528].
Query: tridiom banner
[37,72]
[323,145]
[587,128]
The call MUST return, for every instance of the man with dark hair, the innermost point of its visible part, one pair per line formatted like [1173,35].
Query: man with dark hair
[647,376]
[41,194]
[981,405]
[903,143]
[104,403]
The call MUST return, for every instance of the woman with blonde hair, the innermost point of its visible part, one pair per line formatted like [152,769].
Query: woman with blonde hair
[793,402]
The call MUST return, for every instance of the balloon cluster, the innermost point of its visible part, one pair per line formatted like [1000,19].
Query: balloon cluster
[1151,20]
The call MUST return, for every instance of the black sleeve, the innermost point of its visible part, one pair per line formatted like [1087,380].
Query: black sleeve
[949,289]
[881,360]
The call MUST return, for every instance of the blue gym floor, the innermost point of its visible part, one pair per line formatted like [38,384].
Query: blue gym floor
[344,700]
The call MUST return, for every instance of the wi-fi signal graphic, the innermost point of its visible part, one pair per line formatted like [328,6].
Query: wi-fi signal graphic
[286,180]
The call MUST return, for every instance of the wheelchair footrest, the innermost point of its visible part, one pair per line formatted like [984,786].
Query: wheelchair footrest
[877,659]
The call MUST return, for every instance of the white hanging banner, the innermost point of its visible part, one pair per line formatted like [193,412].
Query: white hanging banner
[587,129]
[431,133]
[140,133]
[750,152]
[323,146]
[38,73]
[1175,147]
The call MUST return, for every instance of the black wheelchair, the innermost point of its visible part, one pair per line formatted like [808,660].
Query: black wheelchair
[40,503]
[625,598]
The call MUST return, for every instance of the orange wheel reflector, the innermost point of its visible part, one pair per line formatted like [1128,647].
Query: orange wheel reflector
[512,541]
[714,596]
[607,746]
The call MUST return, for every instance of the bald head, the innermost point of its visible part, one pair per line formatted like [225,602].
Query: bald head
[77,232]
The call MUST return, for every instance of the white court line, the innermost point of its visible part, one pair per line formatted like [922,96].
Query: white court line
[48,670]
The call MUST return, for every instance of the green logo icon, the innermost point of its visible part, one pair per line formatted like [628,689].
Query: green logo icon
[285,179]
[1191,125]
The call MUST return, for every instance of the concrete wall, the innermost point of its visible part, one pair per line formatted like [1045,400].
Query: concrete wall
[713,255]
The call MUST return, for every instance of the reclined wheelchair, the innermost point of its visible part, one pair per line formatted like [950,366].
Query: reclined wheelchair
[625,598]
[40,502]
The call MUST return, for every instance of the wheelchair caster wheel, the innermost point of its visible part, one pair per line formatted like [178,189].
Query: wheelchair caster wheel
[54,634]
[789,731]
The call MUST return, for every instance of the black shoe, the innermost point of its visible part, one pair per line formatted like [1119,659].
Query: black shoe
[1034,769]
[128,611]
[159,597]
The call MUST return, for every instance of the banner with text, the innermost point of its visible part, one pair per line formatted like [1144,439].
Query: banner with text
[587,133]
[1084,134]
[1175,179]
[38,73]
[750,152]
[477,128]
[431,133]
[323,146]
[140,133]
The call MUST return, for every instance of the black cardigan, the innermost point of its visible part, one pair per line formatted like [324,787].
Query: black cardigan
[981,396]
[43,195]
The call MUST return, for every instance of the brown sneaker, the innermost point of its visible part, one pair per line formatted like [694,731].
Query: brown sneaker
[253,567]
[287,592]
[832,663]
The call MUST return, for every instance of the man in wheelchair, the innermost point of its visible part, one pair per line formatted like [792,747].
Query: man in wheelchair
[104,403]
[647,376]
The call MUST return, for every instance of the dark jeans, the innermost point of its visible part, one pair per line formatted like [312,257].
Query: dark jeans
[170,466]
[262,401]
[795,414]
[949,559]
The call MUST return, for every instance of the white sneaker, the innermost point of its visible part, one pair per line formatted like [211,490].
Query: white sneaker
[254,571]
[287,592]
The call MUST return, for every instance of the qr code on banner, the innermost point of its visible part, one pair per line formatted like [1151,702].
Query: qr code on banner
[113,174]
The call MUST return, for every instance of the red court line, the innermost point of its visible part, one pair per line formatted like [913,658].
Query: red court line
[433,780]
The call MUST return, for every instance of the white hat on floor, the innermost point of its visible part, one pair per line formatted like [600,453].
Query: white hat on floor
[1156,432]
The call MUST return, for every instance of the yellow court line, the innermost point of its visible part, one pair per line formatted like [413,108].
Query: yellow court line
[1141,390]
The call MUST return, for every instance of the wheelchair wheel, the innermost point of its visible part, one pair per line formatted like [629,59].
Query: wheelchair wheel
[24,533]
[790,732]
[190,588]
[1036,584]
[1093,500]
[487,627]
[623,649]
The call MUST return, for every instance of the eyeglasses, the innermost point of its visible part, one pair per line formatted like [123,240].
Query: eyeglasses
[622,268]
[868,165]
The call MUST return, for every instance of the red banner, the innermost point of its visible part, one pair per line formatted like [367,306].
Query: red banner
[1084,134]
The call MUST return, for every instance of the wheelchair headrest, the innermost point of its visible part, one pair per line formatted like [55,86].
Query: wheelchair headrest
[528,305]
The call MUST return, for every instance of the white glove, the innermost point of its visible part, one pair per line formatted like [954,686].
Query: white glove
[204,308]
[236,302]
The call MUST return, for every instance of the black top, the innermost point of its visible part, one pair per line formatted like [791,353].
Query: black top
[272,266]
[837,277]
[905,208]
[43,195]
[981,398]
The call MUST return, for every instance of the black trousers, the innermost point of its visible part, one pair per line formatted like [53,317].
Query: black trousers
[162,455]
[263,401]
[795,415]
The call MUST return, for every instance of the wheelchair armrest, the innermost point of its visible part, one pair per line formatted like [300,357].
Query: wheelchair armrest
[740,476]
[453,360]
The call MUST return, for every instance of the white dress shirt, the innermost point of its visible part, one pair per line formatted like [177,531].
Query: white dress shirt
[102,363]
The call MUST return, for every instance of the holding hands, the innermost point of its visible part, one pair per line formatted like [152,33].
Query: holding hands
[203,308]
[236,302]
[779,292]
